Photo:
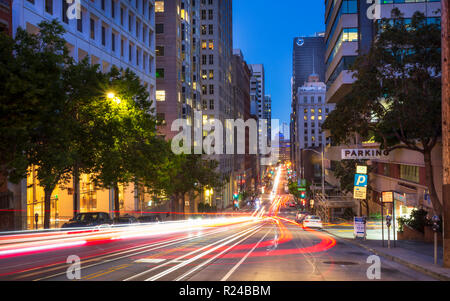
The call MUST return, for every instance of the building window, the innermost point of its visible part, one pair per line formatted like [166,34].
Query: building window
[210,14]
[211,74]
[49,6]
[102,2]
[211,29]
[211,104]
[409,173]
[204,105]
[159,28]
[103,35]
[159,6]
[211,89]
[122,45]
[113,9]
[113,42]
[204,92]
[160,73]
[65,7]
[122,14]
[204,59]
[159,50]
[160,95]
[92,29]
[80,22]
[211,59]
[211,45]
[130,54]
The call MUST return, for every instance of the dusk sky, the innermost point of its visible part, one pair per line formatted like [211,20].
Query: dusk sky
[264,30]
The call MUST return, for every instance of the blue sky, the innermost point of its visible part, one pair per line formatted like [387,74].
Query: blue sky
[264,30]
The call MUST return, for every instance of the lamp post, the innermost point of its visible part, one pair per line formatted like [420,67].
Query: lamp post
[323,170]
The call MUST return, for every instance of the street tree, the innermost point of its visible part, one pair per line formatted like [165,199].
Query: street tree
[129,150]
[396,98]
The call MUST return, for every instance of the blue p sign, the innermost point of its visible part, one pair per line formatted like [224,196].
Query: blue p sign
[361,180]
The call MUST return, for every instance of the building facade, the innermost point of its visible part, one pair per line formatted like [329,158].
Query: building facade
[112,33]
[307,58]
[312,111]
[216,40]
[178,80]
[6,16]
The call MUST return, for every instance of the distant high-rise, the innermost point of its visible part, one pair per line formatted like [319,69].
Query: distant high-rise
[307,58]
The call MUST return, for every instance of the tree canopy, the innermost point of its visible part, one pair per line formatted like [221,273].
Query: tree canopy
[396,97]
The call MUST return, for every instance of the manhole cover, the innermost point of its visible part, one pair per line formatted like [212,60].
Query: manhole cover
[340,262]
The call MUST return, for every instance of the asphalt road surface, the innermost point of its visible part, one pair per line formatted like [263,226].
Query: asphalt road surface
[264,245]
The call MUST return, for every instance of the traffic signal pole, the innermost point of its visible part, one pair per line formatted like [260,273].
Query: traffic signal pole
[446,127]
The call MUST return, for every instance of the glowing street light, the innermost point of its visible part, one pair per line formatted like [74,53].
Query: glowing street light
[112,96]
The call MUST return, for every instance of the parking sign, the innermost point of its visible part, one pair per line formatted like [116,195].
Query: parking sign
[361,180]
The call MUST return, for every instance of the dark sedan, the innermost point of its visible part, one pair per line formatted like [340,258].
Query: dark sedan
[91,219]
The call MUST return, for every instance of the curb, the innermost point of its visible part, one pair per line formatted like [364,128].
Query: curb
[396,259]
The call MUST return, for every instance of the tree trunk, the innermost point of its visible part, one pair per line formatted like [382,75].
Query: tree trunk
[437,206]
[47,207]
[76,190]
[116,201]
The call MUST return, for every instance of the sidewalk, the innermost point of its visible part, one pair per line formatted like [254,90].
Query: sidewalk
[416,255]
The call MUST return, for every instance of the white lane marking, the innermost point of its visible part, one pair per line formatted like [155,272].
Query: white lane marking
[225,278]
[150,260]
[176,259]
[227,241]
[216,256]
[144,248]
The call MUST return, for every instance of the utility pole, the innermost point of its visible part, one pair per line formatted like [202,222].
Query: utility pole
[446,127]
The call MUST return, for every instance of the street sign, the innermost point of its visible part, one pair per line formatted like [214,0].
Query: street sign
[388,197]
[361,180]
[360,193]
[359,227]
[363,154]
[362,170]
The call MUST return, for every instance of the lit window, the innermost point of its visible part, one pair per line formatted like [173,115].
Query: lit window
[160,95]
[159,6]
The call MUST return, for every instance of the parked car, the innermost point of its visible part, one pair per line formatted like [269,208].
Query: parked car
[126,220]
[145,219]
[91,219]
[313,221]
[300,216]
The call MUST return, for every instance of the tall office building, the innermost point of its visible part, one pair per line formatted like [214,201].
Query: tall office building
[349,31]
[245,173]
[178,79]
[307,58]
[112,33]
[216,71]
[312,112]
[267,115]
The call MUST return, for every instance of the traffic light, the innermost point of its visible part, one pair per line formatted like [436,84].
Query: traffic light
[303,195]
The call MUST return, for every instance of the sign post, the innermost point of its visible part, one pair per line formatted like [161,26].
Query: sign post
[360,227]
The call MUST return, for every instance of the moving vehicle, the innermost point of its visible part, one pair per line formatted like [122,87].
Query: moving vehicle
[145,219]
[300,216]
[91,219]
[312,221]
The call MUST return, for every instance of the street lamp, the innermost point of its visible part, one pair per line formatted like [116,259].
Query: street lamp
[323,170]
[112,96]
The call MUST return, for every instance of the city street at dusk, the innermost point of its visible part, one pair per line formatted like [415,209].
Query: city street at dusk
[225,148]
